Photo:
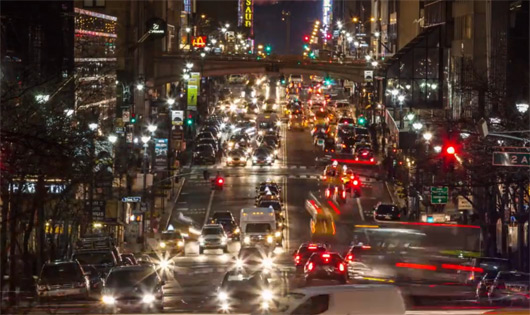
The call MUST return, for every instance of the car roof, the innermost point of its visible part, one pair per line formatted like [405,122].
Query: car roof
[61,262]
[206,226]
[138,267]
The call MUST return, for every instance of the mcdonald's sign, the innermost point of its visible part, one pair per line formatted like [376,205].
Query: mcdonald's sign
[198,41]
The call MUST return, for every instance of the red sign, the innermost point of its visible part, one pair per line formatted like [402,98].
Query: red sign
[198,41]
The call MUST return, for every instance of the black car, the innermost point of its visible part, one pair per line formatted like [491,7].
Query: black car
[205,134]
[103,260]
[346,145]
[483,286]
[230,227]
[214,143]
[271,141]
[387,212]
[95,279]
[133,287]
[302,254]
[329,145]
[326,266]
[204,153]
[239,287]
[262,156]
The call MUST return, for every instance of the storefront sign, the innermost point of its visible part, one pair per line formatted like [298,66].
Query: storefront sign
[248,18]
[156,27]
[97,209]
[327,7]
[198,41]
[161,148]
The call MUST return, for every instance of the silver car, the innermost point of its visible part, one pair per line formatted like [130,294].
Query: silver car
[213,236]
[62,279]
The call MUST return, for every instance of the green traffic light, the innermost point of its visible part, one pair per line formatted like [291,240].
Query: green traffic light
[189,121]
[361,121]
[268,48]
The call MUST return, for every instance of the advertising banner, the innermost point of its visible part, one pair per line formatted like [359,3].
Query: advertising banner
[161,148]
[192,97]
[177,117]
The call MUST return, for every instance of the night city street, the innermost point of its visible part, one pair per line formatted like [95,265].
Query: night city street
[265,157]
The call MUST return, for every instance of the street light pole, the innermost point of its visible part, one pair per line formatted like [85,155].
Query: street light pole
[145,141]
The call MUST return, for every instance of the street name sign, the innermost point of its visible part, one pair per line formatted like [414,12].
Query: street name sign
[518,159]
[131,199]
[439,195]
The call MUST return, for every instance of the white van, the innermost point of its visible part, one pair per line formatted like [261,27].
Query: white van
[344,299]
[296,78]
[258,226]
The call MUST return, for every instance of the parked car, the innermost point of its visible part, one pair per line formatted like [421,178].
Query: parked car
[62,279]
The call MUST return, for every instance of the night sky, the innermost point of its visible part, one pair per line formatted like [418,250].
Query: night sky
[268,26]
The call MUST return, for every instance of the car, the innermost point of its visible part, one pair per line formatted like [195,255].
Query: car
[240,287]
[172,241]
[272,141]
[133,287]
[62,279]
[268,189]
[510,287]
[319,139]
[269,201]
[480,265]
[96,280]
[344,299]
[238,140]
[203,154]
[346,145]
[361,134]
[483,286]
[325,266]
[102,259]
[129,257]
[329,145]
[365,155]
[262,156]
[214,143]
[211,129]
[237,157]
[213,236]
[386,212]
[302,254]
[204,135]
[230,227]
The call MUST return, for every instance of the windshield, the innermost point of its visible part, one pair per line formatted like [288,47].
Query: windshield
[131,278]
[275,205]
[170,236]
[258,228]
[211,231]
[95,258]
[68,271]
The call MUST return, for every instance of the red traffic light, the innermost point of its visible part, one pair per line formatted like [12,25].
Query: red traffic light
[306,38]
[450,150]
[355,182]
[328,36]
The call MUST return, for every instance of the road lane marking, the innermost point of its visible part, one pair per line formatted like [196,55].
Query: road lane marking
[360,208]
[209,208]
[284,179]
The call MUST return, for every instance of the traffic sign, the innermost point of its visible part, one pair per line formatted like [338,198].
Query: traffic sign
[439,195]
[518,159]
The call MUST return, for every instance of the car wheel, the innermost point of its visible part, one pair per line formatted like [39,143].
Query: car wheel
[201,250]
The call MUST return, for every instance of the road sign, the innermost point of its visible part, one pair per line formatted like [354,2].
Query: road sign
[368,75]
[439,195]
[131,199]
[518,159]
[464,204]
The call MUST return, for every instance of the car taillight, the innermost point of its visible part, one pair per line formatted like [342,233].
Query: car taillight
[297,259]
[310,266]
[341,267]
[325,177]
[327,193]
[355,182]
[343,194]
[336,189]
[371,159]
[349,257]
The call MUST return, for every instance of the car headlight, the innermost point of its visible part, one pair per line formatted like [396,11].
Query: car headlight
[229,159]
[148,298]
[201,240]
[275,152]
[278,234]
[236,231]
[164,264]
[163,245]
[267,263]
[249,150]
[254,158]
[266,295]
[223,296]
[269,158]
[246,240]
[180,243]
[260,132]
[278,123]
[270,239]
[240,263]
[107,299]
[223,240]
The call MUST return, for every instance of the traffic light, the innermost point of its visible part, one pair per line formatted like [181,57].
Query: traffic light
[361,120]
[306,38]
[189,120]
[328,36]
[268,49]
[450,150]
[133,118]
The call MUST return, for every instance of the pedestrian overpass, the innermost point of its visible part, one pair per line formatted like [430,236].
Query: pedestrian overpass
[168,68]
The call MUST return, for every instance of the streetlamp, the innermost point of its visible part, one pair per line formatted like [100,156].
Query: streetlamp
[93,126]
[188,29]
[374,63]
[227,25]
[522,107]
[170,101]
[377,34]
[437,148]
[203,54]
[410,116]
[140,86]
[368,57]
[223,29]
[214,41]
[427,136]
[189,65]
[186,76]
[145,141]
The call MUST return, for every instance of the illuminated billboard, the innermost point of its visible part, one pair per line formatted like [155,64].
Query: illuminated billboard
[248,16]
[327,10]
